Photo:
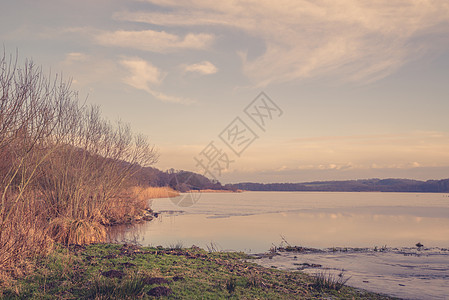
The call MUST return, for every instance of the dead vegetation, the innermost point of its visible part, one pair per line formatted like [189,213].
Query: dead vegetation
[145,193]
[65,171]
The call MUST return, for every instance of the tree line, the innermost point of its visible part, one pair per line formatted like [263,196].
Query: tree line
[361,185]
[178,180]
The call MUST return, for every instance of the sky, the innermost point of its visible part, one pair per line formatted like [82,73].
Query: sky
[350,89]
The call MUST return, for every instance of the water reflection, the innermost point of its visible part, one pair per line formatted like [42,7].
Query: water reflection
[252,222]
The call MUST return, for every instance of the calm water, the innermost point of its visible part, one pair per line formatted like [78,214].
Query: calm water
[255,221]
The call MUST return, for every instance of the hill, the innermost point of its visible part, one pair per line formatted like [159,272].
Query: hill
[183,181]
[361,185]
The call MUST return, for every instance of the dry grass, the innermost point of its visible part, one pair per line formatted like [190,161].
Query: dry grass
[31,230]
[124,208]
[70,231]
[24,236]
[327,280]
[154,192]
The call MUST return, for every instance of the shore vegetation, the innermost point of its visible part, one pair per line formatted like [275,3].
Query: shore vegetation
[66,172]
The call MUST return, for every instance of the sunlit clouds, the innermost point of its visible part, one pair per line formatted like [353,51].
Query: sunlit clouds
[142,72]
[362,84]
[143,75]
[154,41]
[351,39]
[204,67]
[335,157]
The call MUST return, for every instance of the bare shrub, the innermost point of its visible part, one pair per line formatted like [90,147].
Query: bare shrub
[64,170]
[27,118]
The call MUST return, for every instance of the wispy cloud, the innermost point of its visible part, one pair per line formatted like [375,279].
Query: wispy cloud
[204,67]
[154,41]
[73,57]
[143,76]
[350,39]
[87,70]
[143,73]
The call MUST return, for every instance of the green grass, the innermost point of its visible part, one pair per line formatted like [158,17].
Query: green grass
[79,273]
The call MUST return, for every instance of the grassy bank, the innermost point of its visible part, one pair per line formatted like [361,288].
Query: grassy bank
[112,271]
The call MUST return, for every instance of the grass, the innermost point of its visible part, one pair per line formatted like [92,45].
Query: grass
[328,281]
[113,271]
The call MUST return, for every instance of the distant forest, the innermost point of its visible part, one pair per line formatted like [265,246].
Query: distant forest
[363,185]
[184,181]
[179,180]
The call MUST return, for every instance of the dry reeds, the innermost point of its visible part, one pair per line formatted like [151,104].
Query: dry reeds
[64,170]
[24,236]
[145,193]
[70,231]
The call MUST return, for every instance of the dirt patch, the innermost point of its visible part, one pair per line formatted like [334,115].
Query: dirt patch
[128,264]
[113,274]
[160,291]
[155,280]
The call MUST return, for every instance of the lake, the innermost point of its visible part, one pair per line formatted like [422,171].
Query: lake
[256,221]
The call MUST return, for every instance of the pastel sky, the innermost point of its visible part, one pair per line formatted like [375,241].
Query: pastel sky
[363,85]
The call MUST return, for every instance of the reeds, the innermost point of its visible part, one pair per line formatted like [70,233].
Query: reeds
[145,193]
[65,171]
[71,231]
[327,280]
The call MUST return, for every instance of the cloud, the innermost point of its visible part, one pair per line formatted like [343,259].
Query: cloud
[88,70]
[143,75]
[350,39]
[154,41]
[74,57]
[204,67]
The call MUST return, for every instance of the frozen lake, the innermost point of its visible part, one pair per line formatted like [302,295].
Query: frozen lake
[256,221]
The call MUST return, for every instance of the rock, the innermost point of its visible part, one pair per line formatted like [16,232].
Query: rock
[147,218]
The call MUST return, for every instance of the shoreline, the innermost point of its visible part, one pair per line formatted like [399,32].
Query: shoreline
[215,191]
[404,272]
[118,271]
